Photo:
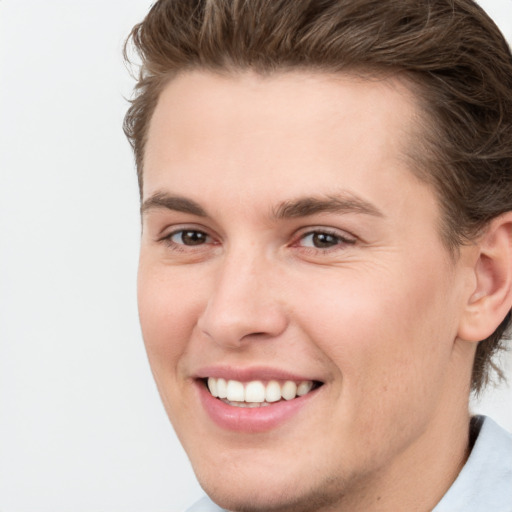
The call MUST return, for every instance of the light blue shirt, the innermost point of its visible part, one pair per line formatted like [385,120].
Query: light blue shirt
[483,485]
[485,482]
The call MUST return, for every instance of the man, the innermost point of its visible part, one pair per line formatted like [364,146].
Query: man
[326,258]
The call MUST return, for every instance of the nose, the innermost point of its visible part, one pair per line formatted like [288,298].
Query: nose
[244,302]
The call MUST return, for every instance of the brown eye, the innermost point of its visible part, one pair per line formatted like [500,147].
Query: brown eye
[189,237]
[324,240]
[320,240]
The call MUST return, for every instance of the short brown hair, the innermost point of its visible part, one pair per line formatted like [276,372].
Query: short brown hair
[450,52]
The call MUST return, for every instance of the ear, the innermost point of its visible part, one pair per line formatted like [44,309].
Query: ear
[491,299]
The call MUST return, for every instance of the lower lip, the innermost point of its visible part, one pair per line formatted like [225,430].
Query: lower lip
[251,419]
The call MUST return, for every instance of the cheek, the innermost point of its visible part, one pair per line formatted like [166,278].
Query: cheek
[389,344]
[388,333]
[167,315]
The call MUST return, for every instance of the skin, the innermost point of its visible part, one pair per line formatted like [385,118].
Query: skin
[376,316]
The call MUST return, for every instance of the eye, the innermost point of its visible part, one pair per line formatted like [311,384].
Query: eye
[189,237]
[323,240]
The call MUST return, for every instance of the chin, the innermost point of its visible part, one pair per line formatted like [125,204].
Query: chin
[267,488]
[262,499]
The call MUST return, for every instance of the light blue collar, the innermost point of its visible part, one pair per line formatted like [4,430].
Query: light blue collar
[485,482]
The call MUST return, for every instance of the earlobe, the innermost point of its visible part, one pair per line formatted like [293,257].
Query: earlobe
[491,299]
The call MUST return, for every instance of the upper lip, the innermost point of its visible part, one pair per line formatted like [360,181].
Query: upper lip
[247,374]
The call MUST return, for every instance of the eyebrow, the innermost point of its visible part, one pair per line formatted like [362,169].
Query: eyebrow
[301,207]
[172,202]
[305,206]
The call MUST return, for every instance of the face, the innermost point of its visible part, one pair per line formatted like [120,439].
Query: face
[291,261]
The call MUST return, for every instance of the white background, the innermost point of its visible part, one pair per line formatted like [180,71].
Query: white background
[81,425]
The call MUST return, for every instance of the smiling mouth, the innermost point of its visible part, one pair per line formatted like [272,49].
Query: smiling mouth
[258,393]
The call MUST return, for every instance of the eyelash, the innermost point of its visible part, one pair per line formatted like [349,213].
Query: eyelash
[336,238]
[181,247]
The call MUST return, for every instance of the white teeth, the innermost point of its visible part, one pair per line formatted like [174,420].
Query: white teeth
[289,390]
[273,391]
[235,391]
[212,386]
[221,388]
[248,405]
[304,388]
[256,393]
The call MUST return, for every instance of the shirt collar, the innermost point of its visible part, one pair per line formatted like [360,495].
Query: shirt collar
[485,481]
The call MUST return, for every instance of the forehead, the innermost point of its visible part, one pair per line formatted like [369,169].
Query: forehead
[293,100]
[295,130]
